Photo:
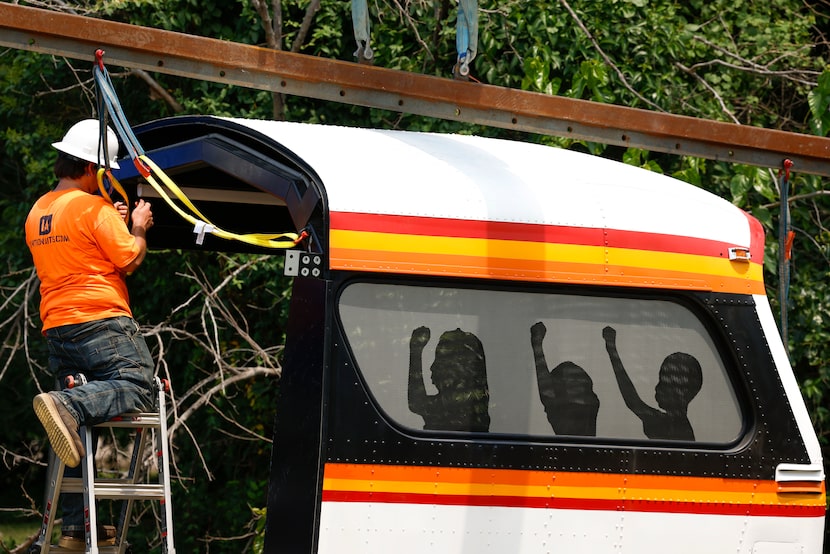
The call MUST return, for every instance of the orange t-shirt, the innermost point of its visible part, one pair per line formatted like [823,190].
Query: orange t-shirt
[80,246]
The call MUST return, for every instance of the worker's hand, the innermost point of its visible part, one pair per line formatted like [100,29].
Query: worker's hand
[122,209]
[142,215]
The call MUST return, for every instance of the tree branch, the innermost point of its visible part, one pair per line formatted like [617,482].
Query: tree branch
[299,40]
[607,60]
[709,87]
[158,90]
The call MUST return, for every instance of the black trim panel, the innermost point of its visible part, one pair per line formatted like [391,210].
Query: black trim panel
[361,433]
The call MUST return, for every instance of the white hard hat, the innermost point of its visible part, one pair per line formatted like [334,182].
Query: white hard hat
[82,139]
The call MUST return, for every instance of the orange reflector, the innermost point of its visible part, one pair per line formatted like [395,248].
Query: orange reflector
[739,254]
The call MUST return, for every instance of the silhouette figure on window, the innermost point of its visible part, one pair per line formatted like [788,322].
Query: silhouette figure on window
[460,375]
[679,382]
[566,392]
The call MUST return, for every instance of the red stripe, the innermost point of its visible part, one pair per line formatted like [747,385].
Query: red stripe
[531,232]
[756,240]
[673,507]
[465,228]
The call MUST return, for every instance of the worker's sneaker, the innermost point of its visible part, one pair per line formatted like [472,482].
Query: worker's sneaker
[61,428]
[75,540]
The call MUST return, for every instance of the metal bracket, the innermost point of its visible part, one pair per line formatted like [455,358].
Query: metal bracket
[303,264]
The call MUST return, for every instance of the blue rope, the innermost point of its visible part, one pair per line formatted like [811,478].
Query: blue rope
[466,30]
[109,105]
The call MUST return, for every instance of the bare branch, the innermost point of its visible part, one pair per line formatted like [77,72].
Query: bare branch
[205,397]
[800,76]
[412,24]
[299,40]
[17,458]
[253,434]
[273,39]
[196,443]
[796,197]
[709,87]
[157,90]
[605,57]
[267,24]
[276,7]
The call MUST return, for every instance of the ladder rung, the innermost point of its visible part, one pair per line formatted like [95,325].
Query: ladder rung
[118,491]
[115,489]
[101,549]
[144,419]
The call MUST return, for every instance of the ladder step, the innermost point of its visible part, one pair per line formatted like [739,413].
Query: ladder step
[144,419]
[122,492]
[116,489]
[101,549]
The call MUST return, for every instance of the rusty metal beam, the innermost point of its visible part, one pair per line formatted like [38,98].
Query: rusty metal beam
[249,66]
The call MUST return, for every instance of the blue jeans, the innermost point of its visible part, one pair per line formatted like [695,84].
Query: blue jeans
[117,363]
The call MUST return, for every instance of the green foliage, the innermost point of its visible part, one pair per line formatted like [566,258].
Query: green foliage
[591,82]
[691,170]
[639,158]
[819,101]
[259,530]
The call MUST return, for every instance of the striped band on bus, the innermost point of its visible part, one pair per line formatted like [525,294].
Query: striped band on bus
[533,252]
[390,484]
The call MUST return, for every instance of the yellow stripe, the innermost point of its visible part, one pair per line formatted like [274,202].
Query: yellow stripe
[690,263]
[471,489]
[553,491]
[486,248]
[567,253]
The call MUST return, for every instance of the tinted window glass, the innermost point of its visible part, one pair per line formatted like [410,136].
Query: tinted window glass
[539,364]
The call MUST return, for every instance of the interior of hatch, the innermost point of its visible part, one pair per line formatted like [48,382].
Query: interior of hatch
[241,182]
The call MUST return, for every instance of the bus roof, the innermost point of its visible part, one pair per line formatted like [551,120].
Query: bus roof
[466,205]
[458,205]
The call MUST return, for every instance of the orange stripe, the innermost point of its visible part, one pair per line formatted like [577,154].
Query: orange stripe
[459,265]
[473,486]
[380,473]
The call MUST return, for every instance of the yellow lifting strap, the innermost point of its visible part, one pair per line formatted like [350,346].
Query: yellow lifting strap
[108,103]
[116,185]
[201,223]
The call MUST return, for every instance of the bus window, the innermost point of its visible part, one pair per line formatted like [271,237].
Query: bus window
[539,364]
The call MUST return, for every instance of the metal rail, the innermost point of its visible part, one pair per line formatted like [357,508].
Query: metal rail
[249,66]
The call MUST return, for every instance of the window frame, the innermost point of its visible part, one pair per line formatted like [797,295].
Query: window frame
[696,303]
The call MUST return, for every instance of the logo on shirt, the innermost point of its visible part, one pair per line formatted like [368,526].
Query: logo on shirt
[45,233]
[45,225]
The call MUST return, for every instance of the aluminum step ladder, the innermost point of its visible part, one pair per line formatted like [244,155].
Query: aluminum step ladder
[128,489]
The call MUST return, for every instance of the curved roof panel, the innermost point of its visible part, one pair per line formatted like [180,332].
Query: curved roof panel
[466,206]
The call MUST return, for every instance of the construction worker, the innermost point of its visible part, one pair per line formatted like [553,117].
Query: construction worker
[82,251]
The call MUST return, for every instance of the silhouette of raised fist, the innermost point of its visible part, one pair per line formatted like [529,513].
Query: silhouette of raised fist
[537,333]
[420,337]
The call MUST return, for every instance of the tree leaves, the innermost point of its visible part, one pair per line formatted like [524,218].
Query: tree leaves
[819,102]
